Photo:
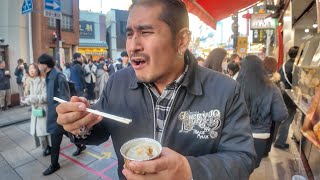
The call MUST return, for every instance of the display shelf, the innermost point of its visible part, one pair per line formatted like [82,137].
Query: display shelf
[301,106]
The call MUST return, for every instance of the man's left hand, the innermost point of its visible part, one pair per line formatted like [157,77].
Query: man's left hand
[170,165]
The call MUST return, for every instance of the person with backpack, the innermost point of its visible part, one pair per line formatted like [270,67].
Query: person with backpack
[57,86]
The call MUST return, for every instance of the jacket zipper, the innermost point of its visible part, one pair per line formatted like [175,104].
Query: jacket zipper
[154,114]
[170,110]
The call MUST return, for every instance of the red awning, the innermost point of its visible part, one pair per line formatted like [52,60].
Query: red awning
[212,11]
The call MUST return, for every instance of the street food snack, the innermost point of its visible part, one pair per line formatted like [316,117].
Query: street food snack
[140,149]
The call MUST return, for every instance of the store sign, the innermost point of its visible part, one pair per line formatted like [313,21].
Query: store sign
[242,45]
[259,36]
[86,29]
[263,21]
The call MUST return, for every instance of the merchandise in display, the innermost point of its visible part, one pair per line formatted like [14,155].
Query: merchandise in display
[308,52]
[316,58]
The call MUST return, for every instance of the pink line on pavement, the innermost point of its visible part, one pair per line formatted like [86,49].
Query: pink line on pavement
[86,167]
[109,167]
[66,147]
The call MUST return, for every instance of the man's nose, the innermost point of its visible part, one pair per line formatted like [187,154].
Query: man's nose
[134,44]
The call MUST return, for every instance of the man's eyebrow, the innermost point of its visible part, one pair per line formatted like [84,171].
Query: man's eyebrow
[140,28]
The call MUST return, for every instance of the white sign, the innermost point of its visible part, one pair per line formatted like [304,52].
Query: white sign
[52,8]
[263,21]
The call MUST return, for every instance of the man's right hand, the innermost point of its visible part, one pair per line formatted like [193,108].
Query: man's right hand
[72,115]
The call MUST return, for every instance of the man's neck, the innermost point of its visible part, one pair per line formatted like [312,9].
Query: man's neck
[162,84]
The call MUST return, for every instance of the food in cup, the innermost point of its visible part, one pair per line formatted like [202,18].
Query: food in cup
[140,149]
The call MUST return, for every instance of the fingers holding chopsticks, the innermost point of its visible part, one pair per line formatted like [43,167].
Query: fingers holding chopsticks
[72,115]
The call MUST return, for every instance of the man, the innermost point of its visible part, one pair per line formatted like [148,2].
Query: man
[124,61]
[77,74]
[19,74]
[90,78]
[5,94]
[110,67]
[198,115]
[57,86]
[286,83]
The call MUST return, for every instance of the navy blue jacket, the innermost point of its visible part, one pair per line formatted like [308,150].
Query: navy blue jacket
[77,75]
[208,122]
[4,80]
[57,86]
[19,73]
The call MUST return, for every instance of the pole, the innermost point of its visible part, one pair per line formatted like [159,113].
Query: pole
[30,38]
[58,44]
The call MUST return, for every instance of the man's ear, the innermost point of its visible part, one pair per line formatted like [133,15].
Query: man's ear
[184,37]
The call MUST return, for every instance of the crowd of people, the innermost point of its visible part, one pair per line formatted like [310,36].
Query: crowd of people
[214,122]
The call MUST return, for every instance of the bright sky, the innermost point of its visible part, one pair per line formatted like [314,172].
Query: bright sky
[104,5]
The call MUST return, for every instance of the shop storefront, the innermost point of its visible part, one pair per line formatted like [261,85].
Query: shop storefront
[95,52]
[300,28]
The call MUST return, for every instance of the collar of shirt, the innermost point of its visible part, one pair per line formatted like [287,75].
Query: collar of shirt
[171,86]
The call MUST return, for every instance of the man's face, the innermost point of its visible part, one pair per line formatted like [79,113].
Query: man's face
[150,45]
[43,68]
[125,59]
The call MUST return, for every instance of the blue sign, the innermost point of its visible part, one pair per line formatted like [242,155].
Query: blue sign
[27,6]
[52,5]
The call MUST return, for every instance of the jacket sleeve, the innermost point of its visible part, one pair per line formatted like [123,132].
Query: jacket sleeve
[17,72]
[235,156]
[64,91]
[279,110]
[100,132]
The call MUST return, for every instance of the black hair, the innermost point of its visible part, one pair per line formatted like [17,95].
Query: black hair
[234,67]
[293,52]
[255,84]
[124,54]
[174,13]
[76,56]
[20,61]
[46,59]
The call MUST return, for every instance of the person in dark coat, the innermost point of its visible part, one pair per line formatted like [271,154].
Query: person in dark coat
[77,74]
[57,86]
[5,94]
[19,73]
[124,61]
[286,81]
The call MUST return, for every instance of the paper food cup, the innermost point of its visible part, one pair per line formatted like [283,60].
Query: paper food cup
[142,145]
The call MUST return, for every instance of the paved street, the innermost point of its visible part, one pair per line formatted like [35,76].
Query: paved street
[19,159]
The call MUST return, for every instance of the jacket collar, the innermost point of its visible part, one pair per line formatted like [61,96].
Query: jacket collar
[191,82]
[52,74]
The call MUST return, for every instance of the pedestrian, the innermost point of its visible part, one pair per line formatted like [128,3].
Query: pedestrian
[19,73]
[77,74]
[102,76]
[264,101]
[91,78]
[5,91]
[67,71]
[198,115]
[215,59]
[56,86]
[38,101]
[286,83]
[124,61]
[233,70]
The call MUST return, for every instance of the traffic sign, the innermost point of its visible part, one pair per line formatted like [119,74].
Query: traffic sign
[27,6]
[52,8]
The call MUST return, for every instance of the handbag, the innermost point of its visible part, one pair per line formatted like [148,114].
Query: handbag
[38,112]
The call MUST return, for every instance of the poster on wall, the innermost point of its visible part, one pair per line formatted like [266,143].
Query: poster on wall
[259,36]
[318,14]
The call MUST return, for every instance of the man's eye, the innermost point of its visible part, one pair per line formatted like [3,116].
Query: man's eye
[146,32]
[129,34]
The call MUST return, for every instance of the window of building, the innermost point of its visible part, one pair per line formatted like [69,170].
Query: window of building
[123,27]
[67,16]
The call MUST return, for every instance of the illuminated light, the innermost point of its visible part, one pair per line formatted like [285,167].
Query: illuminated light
[307,30]
[315,25]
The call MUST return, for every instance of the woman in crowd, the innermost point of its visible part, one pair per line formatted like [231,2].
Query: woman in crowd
[233,70]
[38,100]
[215,59]
[102,76]
[264,101]
[90,77]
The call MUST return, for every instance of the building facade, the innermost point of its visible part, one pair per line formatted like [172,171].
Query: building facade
[92,35]
[27,36]
[116,22]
